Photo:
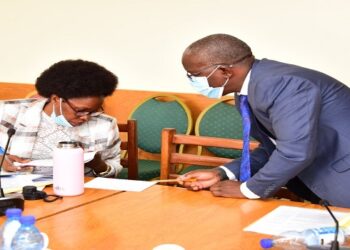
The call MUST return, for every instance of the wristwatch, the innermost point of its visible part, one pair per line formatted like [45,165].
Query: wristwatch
[104,173]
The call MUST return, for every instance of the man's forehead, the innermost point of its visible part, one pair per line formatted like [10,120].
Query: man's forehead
[193,62]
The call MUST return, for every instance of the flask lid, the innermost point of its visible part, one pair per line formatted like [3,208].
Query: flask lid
[68,144]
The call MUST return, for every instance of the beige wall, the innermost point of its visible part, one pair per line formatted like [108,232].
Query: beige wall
[142,41]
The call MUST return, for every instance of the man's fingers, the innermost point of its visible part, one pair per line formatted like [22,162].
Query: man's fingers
[216,190]
[216,193]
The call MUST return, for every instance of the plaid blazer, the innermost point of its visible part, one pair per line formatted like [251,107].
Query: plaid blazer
[99,134]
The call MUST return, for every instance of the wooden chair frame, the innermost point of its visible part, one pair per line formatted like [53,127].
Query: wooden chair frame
[169,156]
[129,159]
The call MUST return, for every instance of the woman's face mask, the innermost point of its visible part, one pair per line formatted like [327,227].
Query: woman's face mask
[60,119]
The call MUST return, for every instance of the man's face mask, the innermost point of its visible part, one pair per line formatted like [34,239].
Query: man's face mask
[60,119]
[201,85]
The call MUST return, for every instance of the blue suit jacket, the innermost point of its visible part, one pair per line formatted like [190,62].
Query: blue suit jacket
[307,113]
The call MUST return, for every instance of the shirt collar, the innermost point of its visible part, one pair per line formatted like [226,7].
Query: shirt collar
[244,89]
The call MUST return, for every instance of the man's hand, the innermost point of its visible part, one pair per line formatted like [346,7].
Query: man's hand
[10,159]
[227,189]
[200,179]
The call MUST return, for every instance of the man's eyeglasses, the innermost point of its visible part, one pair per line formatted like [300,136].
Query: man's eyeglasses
[84,113]
[217,65]
[191,75]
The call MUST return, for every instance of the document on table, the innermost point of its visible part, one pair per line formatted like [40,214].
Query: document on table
[15,182]
[88,156]
[288,218]
[119,184]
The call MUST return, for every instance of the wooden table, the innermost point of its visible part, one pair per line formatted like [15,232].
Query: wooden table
[158,215]
[41,209]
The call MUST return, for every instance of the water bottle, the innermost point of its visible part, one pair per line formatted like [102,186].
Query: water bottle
[10,227]
[68,169]
[301,240]
[27,236]
[288,240]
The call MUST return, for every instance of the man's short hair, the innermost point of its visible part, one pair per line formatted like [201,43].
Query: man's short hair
[220,48]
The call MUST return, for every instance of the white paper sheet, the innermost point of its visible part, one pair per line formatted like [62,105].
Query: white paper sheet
[88,156]
[119,184]
[287,218]
[16,182]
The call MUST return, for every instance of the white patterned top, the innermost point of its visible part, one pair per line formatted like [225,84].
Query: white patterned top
[49,134]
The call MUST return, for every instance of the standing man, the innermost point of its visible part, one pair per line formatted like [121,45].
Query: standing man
[301,118]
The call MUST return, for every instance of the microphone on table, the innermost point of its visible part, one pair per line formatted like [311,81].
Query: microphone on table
[10,133]
[13,200]
[335,243]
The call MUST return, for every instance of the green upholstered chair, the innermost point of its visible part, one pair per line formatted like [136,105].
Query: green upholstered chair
[152,115]
[221,119]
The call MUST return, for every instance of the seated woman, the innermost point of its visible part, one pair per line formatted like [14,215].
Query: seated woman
[73,92]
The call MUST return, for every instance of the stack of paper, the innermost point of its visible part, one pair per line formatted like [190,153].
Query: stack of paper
[119,184]
[15,182]
[287,218]
[88,156]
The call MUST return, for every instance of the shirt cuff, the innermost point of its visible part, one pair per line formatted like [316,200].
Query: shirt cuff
[231,176]
[247,193]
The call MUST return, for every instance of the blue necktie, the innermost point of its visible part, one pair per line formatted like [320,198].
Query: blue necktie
[245,160]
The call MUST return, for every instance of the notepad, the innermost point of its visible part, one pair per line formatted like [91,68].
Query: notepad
[16,182]
[119,184]
[288,218]
[88,156]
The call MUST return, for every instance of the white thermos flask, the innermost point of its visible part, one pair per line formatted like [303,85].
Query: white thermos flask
[68,169]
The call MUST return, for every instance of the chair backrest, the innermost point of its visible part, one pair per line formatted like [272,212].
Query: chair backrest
[33,94]
[158,112]
[170,157]
[129,146]
[220,119]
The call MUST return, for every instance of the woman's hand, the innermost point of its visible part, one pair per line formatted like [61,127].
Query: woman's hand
[10,159]
[97,164]
[199,179]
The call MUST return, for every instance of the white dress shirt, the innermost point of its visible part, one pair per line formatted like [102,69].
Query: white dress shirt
[244,189]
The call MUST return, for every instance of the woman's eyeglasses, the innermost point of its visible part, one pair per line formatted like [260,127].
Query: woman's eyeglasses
[84,113]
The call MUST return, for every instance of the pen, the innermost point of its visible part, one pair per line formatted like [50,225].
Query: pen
[6,175]
[176,180]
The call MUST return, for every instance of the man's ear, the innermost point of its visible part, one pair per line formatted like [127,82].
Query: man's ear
[227,70]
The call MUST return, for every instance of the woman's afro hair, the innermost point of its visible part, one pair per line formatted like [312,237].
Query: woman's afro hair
[75,79]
